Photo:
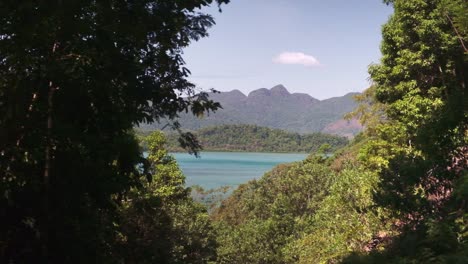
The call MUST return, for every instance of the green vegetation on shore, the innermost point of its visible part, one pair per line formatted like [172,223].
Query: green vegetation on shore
[251,138]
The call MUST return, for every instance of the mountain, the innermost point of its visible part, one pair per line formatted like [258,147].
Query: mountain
[278,108]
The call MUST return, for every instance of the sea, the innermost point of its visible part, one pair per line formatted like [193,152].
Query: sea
[217,169]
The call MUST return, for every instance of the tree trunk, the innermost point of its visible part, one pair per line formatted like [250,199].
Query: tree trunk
[47,169]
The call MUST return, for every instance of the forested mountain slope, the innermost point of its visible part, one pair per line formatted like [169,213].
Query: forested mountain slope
[278,108]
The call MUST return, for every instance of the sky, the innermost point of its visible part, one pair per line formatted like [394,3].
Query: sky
[318,47]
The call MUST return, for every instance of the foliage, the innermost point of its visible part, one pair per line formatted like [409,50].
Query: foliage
[210,198]
[302,213]
[261,218]
[347,220]
[455,12]
[75,78]
[419,149]
[369,111]
[260,139]
[161,223]
[421,81]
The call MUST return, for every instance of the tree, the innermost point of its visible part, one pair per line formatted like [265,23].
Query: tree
[261,218]
[160,221]
[420,148]
[455,12]
[76,77]
[422,81]
[347,220]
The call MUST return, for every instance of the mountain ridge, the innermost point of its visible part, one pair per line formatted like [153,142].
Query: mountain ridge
[277,108]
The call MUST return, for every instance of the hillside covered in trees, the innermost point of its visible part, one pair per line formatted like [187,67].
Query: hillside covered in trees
[253,138]
[398,193]
[277,108]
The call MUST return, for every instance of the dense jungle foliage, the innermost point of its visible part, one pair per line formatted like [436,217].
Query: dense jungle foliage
[76,187]
[75,78]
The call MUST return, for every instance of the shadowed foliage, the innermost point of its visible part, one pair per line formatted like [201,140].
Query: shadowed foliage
[75,78]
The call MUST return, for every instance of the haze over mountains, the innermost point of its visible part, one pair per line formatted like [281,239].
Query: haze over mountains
[278,108]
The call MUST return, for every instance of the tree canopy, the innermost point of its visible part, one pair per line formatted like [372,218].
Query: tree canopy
[419,147]
[160,222]
[422,80]
[75,78]
[254,138]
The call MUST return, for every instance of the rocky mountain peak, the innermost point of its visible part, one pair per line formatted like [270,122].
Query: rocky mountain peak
[279,90]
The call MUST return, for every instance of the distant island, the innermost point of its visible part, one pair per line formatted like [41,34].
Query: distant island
[252,138]
[279,109]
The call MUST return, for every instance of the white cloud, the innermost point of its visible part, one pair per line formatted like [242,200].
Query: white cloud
[296,58]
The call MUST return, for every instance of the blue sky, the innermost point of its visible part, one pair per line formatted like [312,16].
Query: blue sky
[322,48]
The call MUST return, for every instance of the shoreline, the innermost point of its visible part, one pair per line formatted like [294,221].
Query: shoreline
[240,151]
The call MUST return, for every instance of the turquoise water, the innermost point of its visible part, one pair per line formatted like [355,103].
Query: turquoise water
[216,169]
